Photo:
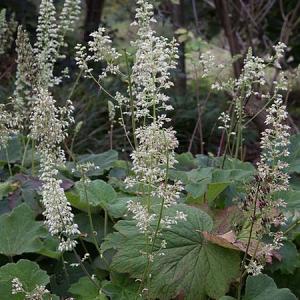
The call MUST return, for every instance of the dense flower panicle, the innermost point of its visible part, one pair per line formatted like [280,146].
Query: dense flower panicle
[274,144]
[279,53]
[17,286]
[82,59]
[154,154]
[208,63]
[252,81]
[68,17]
[48,128]
[50,37]
[154,59]
[100,49]
[47,29]
[7,126]
[48,122]
[254,268]
[58,212]
[141,215]
[224,118]
[153,157]
[25,77]
[271,178]
[46,45]
[7,29]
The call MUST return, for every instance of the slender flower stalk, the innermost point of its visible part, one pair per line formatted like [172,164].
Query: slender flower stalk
[271,178]
[146,104]
[251,83]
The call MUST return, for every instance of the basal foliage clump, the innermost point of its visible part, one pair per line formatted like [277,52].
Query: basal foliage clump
[159,225]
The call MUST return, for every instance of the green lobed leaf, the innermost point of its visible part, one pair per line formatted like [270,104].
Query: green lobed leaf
[263,287]
[99,194]
[28,272]
[290,259]
[118,208]
[19,232]
[185,162]
[121,287]
[85,289]
[98,222]
[103,161]
[189,264]
[210,182]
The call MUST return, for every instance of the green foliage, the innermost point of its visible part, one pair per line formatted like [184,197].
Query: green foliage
[262,287]
[102,161]
[20,233]
[189,263]
[98,222]
[98,194]
[85,289]
[120,287]
[29,274]
[207,182]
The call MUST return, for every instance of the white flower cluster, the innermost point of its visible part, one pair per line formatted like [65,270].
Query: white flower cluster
[17,286]
[254,268]
[35,64]
[101,49]
[48,128]
[68,17]
[251,79]
[152,159]
[274,144]
[271,178]
[25,77]
[7,29]
[50,37]
[208,63]
[253,72]
[7,127]
[225,121]
[46,45]
[279,53]
[154,59]
[37,294]
[154,154]
[141,215]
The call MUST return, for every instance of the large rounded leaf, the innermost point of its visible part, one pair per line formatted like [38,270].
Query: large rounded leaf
[103,161]
[190,264]
[120,287]
[19,232]
[97,193]
[85,289]
[29,274]
[263,287]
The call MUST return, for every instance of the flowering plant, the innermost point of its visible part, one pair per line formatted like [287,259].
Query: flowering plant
[153,224]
